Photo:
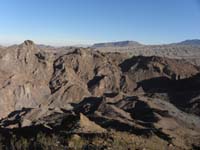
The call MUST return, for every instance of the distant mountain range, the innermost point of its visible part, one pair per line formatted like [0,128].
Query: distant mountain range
[120,44]
[117,44]
[189,42]
[195,42]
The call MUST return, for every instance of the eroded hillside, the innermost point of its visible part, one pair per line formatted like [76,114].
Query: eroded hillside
[93,98]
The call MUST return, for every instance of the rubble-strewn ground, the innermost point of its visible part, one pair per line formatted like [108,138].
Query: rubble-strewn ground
[81,98]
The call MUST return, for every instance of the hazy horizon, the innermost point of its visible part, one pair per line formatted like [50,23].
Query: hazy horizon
[86,45]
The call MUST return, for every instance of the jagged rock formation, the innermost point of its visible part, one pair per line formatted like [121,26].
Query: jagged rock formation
[25,73]
[82,91]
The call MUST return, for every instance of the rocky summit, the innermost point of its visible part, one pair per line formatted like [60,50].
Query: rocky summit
[85,98]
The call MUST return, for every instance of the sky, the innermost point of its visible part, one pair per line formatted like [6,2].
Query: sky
[71,22]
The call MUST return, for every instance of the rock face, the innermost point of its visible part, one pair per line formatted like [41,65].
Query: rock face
[84,91]
[138,69]
[25,72]
[84,125]
[80,74]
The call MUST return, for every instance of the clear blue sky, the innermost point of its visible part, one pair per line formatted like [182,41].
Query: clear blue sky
[62,22]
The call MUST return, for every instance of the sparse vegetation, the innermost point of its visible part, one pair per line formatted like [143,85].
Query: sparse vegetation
[113,140]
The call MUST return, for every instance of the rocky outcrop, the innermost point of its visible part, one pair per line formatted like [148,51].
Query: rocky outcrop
[84,125]
[83,73]
[25,73]
[138,69]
